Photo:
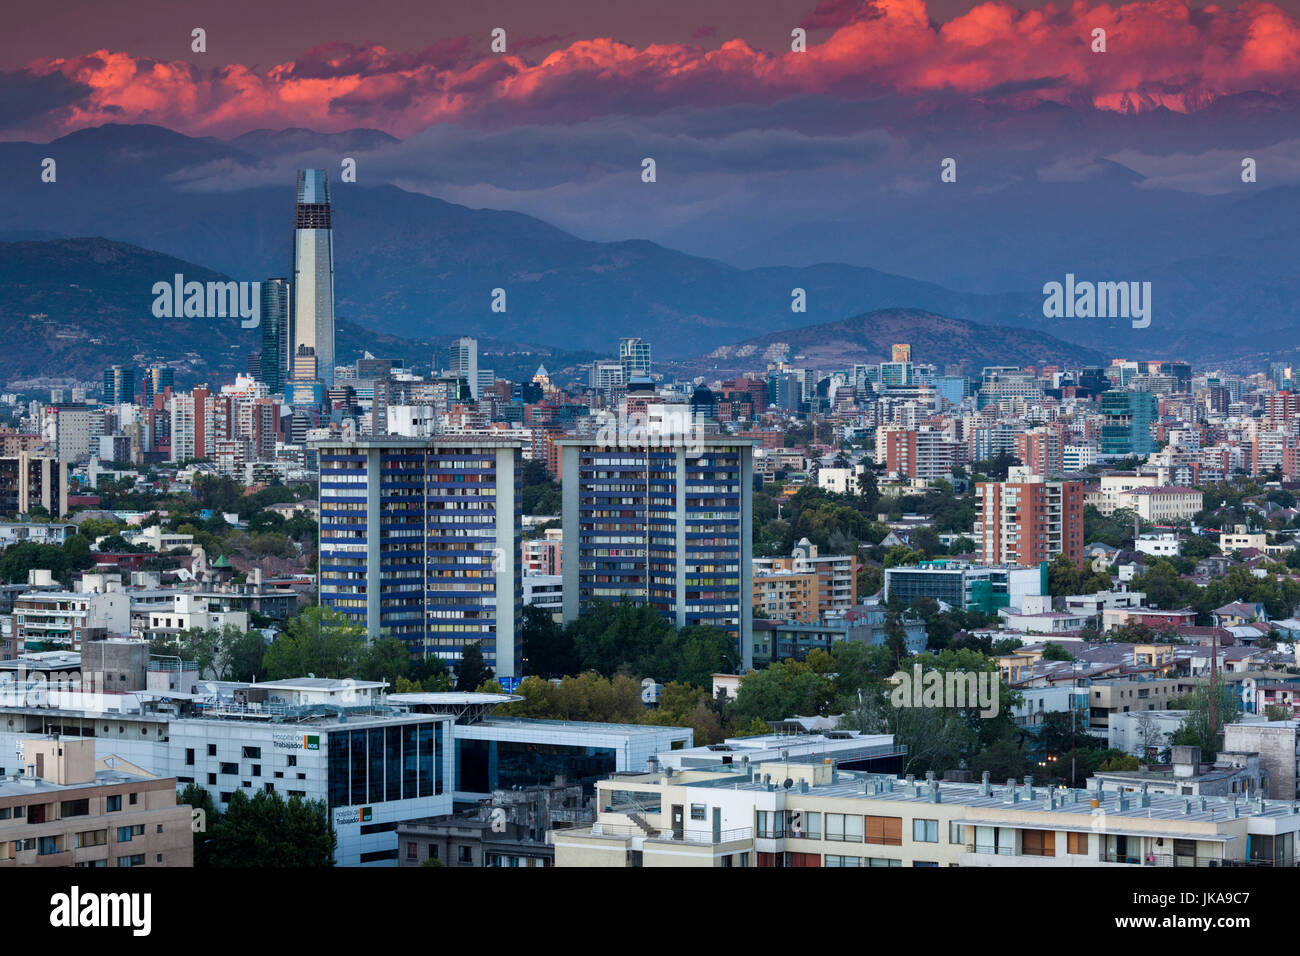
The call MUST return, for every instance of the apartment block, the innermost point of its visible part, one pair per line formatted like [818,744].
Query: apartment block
[419,540]
[1031,521]
[669,525]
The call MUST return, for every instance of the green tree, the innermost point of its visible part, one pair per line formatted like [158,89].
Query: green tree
[318,641]
[547,649]
[473,670]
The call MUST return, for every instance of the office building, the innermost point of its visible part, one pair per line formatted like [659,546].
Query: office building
[313,272]
[634,356]
[668,525]
[420,540]
[1126,423]
[966,586]
[119,386]
[274,360]
[157,379]
[464,363]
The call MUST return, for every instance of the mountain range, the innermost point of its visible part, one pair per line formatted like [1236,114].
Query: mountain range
[418,268]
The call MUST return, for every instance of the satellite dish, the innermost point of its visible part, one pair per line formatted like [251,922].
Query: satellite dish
[788,783]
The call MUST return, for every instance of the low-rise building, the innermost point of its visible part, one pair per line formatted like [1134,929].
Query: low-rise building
[814,815]
[68,809]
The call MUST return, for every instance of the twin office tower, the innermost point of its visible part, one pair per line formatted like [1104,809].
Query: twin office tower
[420,538]
[298,319]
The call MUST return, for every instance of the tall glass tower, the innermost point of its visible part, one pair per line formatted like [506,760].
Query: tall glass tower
[276,359]
[313,271]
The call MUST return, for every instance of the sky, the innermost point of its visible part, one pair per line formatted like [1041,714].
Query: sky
[404,67]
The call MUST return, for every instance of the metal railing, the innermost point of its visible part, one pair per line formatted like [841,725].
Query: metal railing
[990,850]
[687,836]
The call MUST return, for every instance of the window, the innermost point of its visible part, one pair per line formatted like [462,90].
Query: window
[1038,842]
[137,860]
[212,750]
[925,831]
[464,854]
[90,838]
[842,860]
[189,756]
[229,769]
[74,808]
[133,798]
[252,753]
[212,779]
[885,831]
[412,851]
[881,861]
[699,811]
[1076,844]
[127,834]
[113,803]
[769,824]
[955,834]
[293,760]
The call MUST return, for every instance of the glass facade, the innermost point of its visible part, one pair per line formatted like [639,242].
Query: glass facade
[486,765]
[385,763]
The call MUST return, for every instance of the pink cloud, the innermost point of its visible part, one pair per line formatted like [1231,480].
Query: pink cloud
[1158,52]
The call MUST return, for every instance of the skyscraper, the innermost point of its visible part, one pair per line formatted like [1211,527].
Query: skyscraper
[464,362]
[157,379]
[275,334]
[420,540]
[667,525]
[634,356]
[313,271]
[119,386]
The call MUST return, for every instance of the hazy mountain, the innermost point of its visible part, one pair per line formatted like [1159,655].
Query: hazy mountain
[418,267]
[935,339]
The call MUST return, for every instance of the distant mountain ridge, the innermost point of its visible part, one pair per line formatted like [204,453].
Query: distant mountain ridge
[868,338]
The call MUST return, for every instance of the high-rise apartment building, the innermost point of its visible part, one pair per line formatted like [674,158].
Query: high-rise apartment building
[193,429]
[313,271]
[1030,520]
[668,525]
[28,480]
[916,453]
[1042,451]
[420,540]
